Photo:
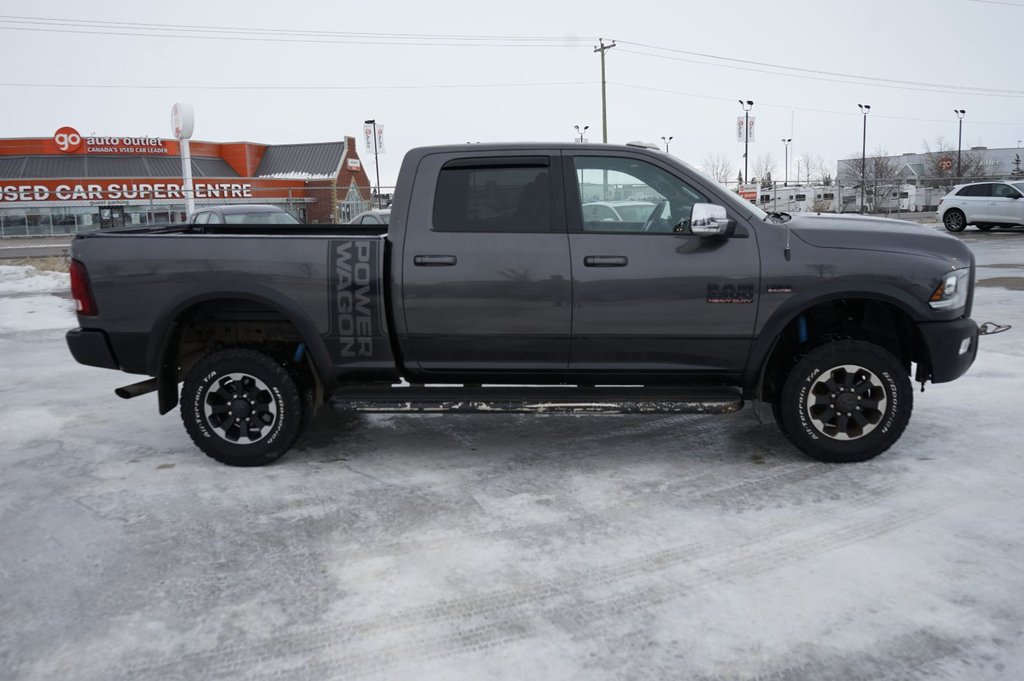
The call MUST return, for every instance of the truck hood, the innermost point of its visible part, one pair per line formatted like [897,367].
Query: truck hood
[866,233]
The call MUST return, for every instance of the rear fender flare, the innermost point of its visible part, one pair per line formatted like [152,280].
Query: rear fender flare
[165,333]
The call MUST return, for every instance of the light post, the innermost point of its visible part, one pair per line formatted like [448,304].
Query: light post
[666,141]
[747,106]
[959,139]
[376,165]
[786,143]
[580,132]
[864,109]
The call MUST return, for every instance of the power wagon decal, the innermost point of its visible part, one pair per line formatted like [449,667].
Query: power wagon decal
[356,311]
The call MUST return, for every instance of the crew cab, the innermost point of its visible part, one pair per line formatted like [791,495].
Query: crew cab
[492,291]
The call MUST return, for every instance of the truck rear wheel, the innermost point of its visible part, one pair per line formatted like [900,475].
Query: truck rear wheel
[242,408]
[845,401]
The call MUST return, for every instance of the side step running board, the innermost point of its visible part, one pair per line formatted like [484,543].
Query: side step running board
[539,400]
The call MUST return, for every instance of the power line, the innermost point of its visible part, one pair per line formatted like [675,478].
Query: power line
[996,2]
[276,31]
[788,107]
[119,86]
[806,75]
[179,31]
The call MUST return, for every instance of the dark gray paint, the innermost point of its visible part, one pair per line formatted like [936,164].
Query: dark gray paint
[518,307]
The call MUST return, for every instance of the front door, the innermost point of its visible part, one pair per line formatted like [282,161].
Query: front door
[486,278]
[1007,205]
[648,297]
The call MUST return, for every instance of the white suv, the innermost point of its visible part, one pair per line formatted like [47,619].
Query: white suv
[983,204]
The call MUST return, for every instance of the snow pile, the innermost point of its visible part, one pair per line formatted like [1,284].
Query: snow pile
[27,279]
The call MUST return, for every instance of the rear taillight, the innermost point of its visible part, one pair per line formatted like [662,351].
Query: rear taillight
[81,291]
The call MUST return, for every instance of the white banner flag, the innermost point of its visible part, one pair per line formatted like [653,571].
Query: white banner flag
[739,129]
[368,138]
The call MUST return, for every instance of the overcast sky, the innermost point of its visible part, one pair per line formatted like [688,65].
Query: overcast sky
[962,54]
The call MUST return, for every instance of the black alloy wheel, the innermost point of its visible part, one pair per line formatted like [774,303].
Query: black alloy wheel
[845,401]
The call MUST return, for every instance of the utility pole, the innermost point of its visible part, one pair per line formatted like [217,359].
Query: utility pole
[959,140]
[604,97]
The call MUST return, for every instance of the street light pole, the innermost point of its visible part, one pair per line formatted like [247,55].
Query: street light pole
[959,139]
[786,143]
[580,132]
[747,106]
[864,109]
[376,164]
[666,141]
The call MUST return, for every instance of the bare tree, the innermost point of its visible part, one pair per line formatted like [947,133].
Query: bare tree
[763,167]
[813,170]
[880,177]
[940,164]
[717,167]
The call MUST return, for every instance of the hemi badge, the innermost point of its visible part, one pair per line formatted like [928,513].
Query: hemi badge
[780,288]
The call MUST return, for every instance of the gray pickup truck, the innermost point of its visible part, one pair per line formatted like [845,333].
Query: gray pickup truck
[493,291]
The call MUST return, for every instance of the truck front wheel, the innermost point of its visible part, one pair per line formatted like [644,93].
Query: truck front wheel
[241,407]
[845,401]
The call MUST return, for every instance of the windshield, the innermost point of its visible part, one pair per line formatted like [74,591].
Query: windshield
[260,219]
[1018,185]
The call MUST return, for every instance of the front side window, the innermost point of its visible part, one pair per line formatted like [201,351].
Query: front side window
[516,197]
[642,196]
[1005,191]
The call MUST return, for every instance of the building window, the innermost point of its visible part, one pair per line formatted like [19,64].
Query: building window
[801,197]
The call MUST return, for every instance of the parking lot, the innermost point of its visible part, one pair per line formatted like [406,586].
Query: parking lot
[507,547]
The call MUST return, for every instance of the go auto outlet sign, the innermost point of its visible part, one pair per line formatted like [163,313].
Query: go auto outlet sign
[69,141]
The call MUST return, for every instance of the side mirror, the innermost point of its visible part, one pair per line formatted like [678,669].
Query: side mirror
[708,219]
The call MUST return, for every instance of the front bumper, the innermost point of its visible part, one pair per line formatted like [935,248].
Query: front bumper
[950,347]
[91,347]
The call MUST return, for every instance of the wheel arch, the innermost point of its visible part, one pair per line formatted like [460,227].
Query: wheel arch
[167,332]
[878,317]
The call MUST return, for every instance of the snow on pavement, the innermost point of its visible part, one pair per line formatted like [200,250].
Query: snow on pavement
[500,546]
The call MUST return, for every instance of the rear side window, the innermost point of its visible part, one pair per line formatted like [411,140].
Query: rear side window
[202,218]
[500,197]
[976,190]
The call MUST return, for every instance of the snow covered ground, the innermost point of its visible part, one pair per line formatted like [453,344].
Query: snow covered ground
[507,547]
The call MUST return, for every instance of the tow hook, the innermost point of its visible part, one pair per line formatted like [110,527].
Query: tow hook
[991,328]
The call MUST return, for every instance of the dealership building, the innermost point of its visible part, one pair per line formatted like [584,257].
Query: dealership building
[69,183]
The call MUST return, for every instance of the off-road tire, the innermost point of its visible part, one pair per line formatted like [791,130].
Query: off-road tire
[842,375]
[216,391]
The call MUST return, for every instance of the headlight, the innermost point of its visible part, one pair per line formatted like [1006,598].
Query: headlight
[951,292]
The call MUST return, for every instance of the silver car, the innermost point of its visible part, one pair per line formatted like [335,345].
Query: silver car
[983,204]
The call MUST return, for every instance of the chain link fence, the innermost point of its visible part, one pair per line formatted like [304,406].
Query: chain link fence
[109,208]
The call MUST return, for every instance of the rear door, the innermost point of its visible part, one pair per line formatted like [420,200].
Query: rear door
[486,278]
[976,202]
[648,296]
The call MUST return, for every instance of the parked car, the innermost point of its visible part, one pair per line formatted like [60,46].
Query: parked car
[243,214]
[490,293]
[372,217]
[984,205]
